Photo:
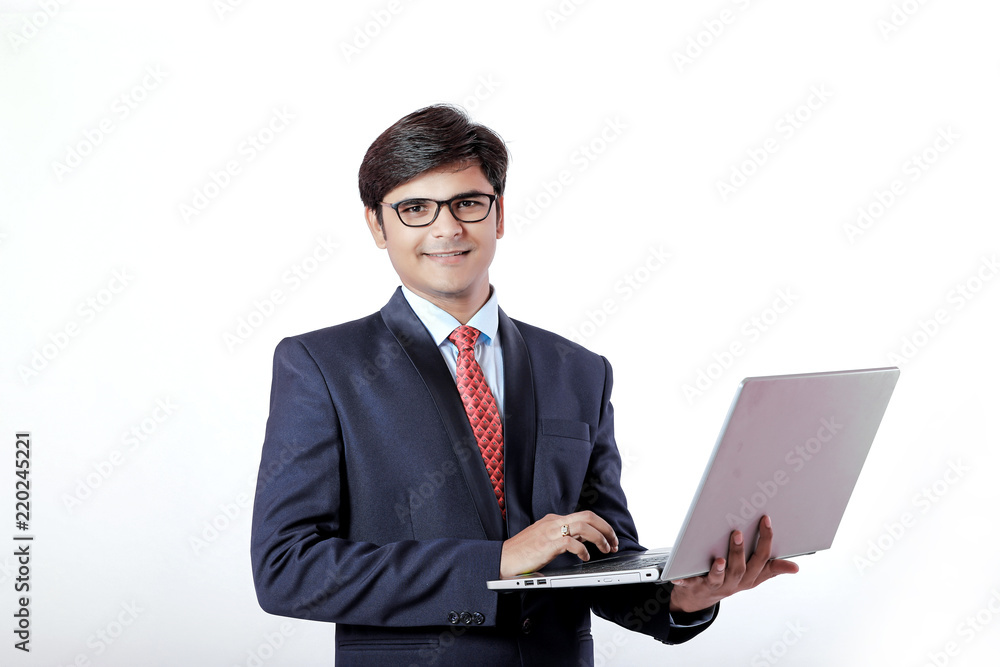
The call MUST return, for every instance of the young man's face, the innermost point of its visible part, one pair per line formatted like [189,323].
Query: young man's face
[446,262]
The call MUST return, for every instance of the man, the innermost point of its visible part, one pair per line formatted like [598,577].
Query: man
[414,454]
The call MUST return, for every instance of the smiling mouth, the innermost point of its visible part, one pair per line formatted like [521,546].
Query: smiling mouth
[446,254]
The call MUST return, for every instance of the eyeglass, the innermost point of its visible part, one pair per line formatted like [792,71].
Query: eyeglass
[422,212]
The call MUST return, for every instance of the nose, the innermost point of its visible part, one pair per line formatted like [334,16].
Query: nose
[446,224]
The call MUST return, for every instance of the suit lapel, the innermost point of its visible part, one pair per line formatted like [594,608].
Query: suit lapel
[416,342]
[518,426]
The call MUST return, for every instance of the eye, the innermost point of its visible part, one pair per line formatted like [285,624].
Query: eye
[468,203]
[414,207]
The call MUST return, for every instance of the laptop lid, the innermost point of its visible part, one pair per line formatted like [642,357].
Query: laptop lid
[792,447]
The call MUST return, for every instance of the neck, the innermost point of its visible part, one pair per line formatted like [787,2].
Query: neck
[461,307]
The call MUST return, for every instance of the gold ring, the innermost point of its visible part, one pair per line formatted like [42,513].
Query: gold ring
[565,530]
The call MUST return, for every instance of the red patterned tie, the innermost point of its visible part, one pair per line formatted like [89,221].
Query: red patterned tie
[481,408]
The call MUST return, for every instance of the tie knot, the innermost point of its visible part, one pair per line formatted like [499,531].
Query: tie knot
[464,337]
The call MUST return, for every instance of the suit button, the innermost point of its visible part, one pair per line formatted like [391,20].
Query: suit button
[465,617]
[526,626]
[453,617]
[478,618]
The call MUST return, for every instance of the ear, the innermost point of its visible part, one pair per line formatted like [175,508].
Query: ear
[377,230]
[499,205]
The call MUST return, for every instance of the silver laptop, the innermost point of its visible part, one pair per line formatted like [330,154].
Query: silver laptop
[791,447]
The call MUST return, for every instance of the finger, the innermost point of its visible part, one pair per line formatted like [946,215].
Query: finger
[775,568]
[737,557]
[762,552]
[579,520]
[565,541]
[570,545]
[584,532]
[779,566]
[716,574]
[599,524]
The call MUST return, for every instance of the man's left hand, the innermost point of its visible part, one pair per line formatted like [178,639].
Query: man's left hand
[739,574]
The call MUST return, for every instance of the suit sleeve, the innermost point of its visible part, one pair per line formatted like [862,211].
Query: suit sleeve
[302,564]
[643,608]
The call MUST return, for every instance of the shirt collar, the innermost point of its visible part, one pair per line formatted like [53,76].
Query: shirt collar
[440,324]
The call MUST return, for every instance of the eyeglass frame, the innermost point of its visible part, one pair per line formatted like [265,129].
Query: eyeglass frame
[446,202]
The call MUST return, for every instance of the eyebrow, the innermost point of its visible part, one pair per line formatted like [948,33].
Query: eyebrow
[467,193]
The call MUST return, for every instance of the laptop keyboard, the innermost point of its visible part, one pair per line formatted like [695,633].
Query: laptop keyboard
[625,563]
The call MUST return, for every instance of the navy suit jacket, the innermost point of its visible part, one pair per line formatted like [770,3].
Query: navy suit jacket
[374,510]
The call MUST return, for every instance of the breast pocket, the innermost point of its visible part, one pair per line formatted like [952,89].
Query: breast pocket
[562,457]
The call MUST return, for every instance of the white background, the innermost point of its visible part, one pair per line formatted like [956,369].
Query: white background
[164,530]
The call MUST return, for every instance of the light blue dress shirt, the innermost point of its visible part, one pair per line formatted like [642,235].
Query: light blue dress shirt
[487,350]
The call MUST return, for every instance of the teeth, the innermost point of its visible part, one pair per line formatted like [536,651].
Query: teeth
[451,254]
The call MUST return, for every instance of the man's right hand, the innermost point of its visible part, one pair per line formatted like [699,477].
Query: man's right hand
[538,544]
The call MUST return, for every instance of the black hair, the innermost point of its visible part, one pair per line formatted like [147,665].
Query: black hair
[430,138]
